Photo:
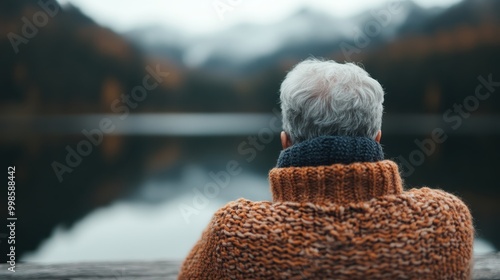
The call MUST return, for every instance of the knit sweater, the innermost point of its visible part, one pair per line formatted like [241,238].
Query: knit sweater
[348,219]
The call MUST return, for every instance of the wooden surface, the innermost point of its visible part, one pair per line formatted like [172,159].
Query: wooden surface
[486,267]
[164,270]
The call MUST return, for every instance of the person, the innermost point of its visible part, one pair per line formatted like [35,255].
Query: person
[338,209]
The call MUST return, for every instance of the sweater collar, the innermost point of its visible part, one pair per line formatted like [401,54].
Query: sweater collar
[327,150]
[334,169]
[337,183]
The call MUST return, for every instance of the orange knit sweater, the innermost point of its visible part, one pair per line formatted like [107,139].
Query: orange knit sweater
[342,221]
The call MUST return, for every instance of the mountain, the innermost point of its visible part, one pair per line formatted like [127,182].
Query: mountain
[247,47]
[236,47]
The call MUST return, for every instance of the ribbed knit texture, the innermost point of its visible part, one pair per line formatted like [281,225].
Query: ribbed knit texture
[337,221]
[336,183]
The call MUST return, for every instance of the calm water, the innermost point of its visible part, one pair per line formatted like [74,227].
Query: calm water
[148,227]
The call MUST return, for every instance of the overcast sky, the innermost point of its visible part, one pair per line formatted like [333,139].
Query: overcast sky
[201,17]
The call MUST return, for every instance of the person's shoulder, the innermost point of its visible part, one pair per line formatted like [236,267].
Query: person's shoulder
[434,194]
[437,199]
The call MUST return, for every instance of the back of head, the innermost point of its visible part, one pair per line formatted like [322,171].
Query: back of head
[321,98]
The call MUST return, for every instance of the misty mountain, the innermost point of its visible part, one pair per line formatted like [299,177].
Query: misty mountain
[241,44]
[248,47]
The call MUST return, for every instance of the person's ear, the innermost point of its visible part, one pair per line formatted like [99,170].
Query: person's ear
[379,136]
[285,140]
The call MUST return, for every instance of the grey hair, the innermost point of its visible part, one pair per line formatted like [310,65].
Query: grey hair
[320,98]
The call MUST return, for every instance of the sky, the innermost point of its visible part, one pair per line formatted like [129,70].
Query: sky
[202,17]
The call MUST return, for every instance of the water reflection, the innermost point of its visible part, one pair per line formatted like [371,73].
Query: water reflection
[135,229]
